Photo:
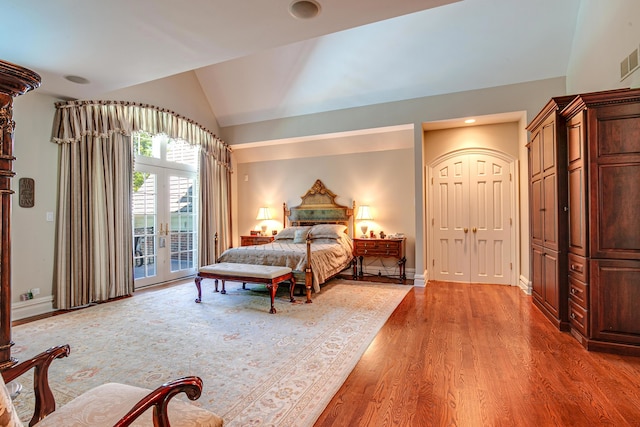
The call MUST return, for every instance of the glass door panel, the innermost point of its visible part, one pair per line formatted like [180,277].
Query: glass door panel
[164,225]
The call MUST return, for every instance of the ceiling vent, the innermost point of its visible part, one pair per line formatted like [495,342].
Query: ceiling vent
[629,64]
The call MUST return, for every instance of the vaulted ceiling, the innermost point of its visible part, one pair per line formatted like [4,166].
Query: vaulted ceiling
[255,61]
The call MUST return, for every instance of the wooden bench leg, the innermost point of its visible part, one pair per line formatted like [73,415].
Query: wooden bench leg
[223,291]
[198,280]
[292,288]
[215,282]
[273,288]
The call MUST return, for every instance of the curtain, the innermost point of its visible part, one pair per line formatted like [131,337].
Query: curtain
[215,202]
[93,252]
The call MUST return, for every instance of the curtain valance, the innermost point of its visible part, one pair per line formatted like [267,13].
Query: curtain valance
[75,119]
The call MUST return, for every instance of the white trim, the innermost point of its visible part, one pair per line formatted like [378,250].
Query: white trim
[32,307]
[419,280]
[525,285]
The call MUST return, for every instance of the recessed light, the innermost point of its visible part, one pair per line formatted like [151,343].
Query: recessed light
[77,79]
[469,121]
[304,9]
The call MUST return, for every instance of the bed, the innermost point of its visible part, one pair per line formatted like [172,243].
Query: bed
[316,230]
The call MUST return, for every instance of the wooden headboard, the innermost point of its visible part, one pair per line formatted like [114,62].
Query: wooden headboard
[319,207]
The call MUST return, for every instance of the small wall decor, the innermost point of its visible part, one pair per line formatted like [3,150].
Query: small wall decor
[26,192]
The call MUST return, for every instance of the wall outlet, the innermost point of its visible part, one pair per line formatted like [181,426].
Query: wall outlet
[35,291]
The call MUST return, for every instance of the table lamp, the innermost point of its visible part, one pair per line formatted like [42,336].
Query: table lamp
[263,215]
[364,215]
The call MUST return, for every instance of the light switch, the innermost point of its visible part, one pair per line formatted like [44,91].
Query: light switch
[49,216]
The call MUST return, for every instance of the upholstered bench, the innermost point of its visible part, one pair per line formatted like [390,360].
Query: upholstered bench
[247,273]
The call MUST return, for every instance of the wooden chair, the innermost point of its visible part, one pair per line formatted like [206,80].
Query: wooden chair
[106,405]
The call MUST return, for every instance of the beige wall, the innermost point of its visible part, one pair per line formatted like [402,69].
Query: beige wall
[607,31]
[382,179]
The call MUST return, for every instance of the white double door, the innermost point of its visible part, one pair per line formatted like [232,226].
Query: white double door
[471,225]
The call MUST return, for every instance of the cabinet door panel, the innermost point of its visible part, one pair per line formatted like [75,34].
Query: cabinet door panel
[615,295]
[551,282]
[550,212]
[577,212]
[616,212]
[537,213]
[537,271]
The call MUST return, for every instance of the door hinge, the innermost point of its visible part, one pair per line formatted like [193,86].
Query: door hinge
[433,222]
[510,177]
[510,266]
[510,221]
[433,262]
[431,180]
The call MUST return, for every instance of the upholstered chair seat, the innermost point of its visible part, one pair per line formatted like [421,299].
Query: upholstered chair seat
[109,404]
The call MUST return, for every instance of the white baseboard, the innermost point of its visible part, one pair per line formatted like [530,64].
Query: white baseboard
[525,285]
[420,279]
[32,307]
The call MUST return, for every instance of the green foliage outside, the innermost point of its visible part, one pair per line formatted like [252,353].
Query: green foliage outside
[143,146]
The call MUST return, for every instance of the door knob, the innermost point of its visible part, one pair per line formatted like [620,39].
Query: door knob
[466,230]
[474,229]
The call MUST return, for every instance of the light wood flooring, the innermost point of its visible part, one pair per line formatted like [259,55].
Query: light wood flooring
[482,355]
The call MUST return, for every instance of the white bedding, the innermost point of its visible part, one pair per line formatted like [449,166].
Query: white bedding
[328,256]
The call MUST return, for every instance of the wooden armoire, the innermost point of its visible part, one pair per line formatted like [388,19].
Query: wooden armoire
[584,159]
[548,206]
[603,139]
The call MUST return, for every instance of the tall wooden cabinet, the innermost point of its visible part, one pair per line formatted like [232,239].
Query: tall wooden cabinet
[548,211]
[603,137]
[14,81]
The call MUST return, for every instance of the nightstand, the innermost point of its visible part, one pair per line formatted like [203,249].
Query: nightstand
[382,248]
[255,240]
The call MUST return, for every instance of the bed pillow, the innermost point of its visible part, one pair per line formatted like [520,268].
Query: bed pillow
[300,236]
[290,232]
[328,231]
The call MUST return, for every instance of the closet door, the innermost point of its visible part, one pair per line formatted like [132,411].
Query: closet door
[471,223]
[490,220]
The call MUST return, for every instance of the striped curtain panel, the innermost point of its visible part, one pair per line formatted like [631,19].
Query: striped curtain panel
[94,253]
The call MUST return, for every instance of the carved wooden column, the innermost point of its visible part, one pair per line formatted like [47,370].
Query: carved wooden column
[14,81]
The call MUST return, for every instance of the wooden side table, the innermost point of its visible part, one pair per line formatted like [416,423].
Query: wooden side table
[255,240]
[382,248]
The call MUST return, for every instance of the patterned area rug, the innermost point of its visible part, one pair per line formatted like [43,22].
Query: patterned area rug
[258,369]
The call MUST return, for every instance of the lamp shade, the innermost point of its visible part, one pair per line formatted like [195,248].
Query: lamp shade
[263,214]
[364,213]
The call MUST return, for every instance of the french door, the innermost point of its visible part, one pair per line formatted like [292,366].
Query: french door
[471,222]
[165,221]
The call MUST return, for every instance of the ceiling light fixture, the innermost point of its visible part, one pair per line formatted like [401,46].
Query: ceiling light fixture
[469,121]
[77,79]
[304,9]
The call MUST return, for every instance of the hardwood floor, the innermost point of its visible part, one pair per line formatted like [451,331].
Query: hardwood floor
[482,355]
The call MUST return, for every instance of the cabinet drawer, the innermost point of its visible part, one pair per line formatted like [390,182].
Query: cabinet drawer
[578,318]
[578,292]
[579,267]
[382,248]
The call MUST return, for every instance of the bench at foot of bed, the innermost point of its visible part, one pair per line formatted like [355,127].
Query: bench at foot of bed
[247,273]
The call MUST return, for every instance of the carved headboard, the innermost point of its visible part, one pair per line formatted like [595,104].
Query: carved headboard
[319,207]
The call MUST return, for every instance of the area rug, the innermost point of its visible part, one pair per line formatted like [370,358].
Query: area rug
[258,369]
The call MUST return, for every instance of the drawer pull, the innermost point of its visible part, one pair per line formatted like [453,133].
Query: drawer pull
[576,267]
[573,315]
[573,291]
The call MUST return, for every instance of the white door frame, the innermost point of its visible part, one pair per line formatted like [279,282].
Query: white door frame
[514,185]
